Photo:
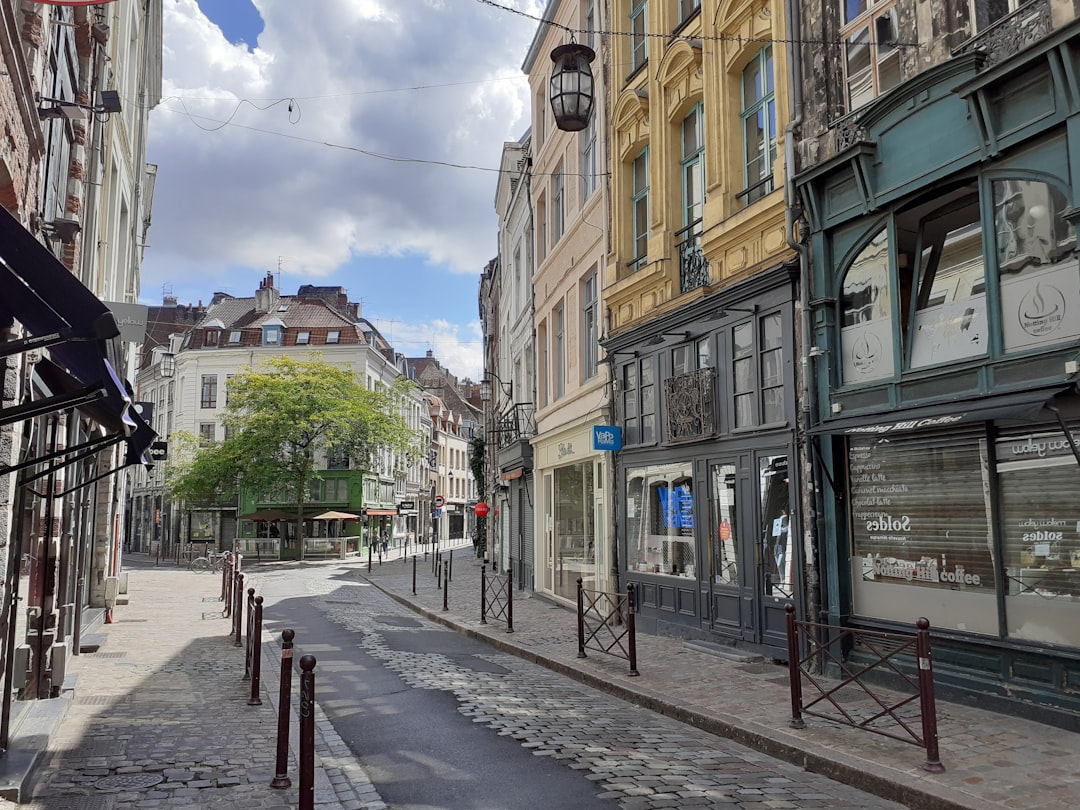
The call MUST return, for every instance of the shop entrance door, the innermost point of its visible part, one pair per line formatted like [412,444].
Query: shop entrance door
[750,555]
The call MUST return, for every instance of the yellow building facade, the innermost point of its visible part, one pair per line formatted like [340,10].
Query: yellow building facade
[702,312]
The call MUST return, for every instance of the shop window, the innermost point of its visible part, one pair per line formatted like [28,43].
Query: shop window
[776,551]
[872,59]
[725,559]
[638,401]
[1040,528]
[866,318]
[660,520]
[1037,265]
[575,529]
[920,525]
[759,126]
[949,320]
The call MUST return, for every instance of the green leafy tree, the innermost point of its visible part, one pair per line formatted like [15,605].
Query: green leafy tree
[279,418]
[478,467]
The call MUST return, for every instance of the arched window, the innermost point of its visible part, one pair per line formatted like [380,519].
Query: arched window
[866,337]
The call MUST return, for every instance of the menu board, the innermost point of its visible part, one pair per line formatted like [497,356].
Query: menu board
[920,512]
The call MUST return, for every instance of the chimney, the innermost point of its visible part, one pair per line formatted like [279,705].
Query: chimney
[266,297]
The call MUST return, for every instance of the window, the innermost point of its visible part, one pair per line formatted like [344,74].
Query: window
[687,9]
[775,526]
[759,125]
[872,60]
[303,338]
[211,337]
[541,228]
[228,387]
[558,204]
[588,160]
[333,336]
[560,351]
[949,320]
[1037,264]
[639,52]
[638,402]
[542,372]
[660,520]
[640,210]
[208,391]
[693,166]
[866,339]
[271,335]
[742,367]
[589,325]
[541,117]
[588,22]
[725,558]
[235,336]
[206,432]
[575,528]
[987,12]
[772,370]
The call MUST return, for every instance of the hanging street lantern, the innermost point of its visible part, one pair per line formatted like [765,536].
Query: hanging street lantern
[572,86]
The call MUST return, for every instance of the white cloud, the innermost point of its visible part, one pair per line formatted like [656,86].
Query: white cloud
[232,199]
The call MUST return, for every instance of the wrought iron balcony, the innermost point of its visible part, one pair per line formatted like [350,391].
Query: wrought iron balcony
[1012,33]
[517,424]
[693,266]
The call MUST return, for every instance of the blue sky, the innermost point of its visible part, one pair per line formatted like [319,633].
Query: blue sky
[311,143]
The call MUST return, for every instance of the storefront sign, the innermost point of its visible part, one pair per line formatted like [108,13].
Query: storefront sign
[606,437]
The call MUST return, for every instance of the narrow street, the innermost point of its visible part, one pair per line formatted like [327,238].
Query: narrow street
[441,720]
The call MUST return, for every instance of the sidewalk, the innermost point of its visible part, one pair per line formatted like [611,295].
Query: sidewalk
[991,760]
[160,713]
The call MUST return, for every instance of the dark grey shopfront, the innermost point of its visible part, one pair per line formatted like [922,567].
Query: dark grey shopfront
[707,476]
[946,292]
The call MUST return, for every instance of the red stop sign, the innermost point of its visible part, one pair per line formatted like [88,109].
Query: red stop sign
[481,509]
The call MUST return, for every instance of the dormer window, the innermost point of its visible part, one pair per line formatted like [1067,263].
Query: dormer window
[333,336]
[211,337]
[234,336]
[303,338]
[272,330]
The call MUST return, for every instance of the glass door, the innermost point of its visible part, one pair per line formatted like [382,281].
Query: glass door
[724,584]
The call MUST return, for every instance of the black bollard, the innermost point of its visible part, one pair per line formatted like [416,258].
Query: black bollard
[281,772]
[450,566]
[255,640]
[250,621]
[509,601]
[369,558]
[445,593]
[414,575]
[238,611]
[307,732]
[483,594]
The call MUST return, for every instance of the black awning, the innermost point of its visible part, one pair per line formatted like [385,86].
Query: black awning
[58,313]
[1021,406]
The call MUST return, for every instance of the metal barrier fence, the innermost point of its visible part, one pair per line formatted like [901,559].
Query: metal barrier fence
[606,623]
[910,717]
[497,597]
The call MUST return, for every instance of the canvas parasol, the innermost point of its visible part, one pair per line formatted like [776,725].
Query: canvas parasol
[332,515]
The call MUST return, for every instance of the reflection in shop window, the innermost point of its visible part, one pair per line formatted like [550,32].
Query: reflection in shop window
[575,529]
[660,520]
[775,527]
[725,564]
[1037,265]
[866,334]
[950,305]
[1040,525]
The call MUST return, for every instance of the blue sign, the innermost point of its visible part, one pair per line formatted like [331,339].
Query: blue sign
[677,507]
[606,437]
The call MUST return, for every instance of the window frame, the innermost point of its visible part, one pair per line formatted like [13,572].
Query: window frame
[208,391]
[590,307]
[868,18]
[693,165]
[639,34]
[764,108]
[558,204]
[639,208]
[559,349]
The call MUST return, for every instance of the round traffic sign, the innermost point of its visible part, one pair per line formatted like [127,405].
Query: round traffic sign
[481,509]
[440,501]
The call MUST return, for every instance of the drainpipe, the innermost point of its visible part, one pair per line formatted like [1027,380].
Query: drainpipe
[808,407]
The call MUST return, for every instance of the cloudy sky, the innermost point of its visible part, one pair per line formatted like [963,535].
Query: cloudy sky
[311,139]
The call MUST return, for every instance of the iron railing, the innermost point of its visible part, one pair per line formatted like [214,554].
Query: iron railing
[693,266]
[605,622]
[517,424]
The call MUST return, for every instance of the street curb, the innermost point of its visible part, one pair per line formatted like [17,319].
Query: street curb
[27,744]
[884,782]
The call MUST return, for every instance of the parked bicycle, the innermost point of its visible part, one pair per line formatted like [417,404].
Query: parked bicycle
[211,561]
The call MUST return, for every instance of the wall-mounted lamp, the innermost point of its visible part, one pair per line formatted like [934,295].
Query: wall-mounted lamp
[721,312]
[168,365]
[571,89]
[816,351]
[110,103]
[656,340]
[485,387]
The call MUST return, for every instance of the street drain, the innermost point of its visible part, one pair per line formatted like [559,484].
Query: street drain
[129,781]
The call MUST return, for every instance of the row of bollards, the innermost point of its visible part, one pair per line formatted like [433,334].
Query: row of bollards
[307,723]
